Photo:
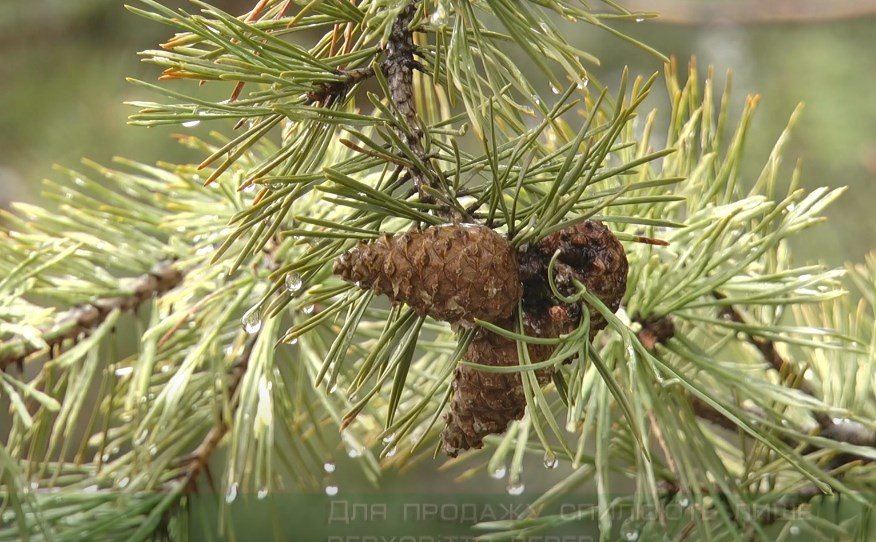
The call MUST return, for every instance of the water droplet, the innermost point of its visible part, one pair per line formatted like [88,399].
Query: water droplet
[204,250]
[583,84]
[191,123]
[231,494]
[153,450]
[554,89]
[123,483]
[308,309]
[794,530]
[631,535]
[392,451]
[262,493]
[328,466]
[124,371]
[252,321]
[515,487]
[684,502]
[639,20]
[166,368]
[571,426]
[550,460]
[535,99]
[389,438]
[293,340]
[293,282]
[249,189]
[354,449]
[331,490]
[499,472]
[439,16]
[34,486]
[809,374]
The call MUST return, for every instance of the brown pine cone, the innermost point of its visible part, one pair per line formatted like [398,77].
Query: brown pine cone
[455,273]
[590,253]
[483,402]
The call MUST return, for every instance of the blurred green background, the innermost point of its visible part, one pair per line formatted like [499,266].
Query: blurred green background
[64,62]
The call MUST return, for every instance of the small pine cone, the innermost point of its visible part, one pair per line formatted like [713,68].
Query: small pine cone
[484,403]
[455,273]
[590,253]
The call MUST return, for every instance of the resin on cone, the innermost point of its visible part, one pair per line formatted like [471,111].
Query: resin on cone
[456,273]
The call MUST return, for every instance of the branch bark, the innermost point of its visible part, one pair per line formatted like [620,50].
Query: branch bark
[84,319]
[199,460]
[398,67]
[771,355]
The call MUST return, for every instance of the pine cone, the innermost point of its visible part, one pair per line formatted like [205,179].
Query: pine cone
[456,272]
[590,253]
[484,402]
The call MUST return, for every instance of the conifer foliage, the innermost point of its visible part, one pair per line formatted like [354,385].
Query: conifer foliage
[399,242]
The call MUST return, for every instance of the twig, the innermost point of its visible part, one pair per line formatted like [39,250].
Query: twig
[659,330]
[198,461]
[398,66]
[330,92]
[84,319]
[770,353]
[655,331]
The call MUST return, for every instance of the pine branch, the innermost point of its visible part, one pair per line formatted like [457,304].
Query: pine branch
[398,67]
[660,330]
[198,461]
[345,169]
[783,367]
[80,321]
